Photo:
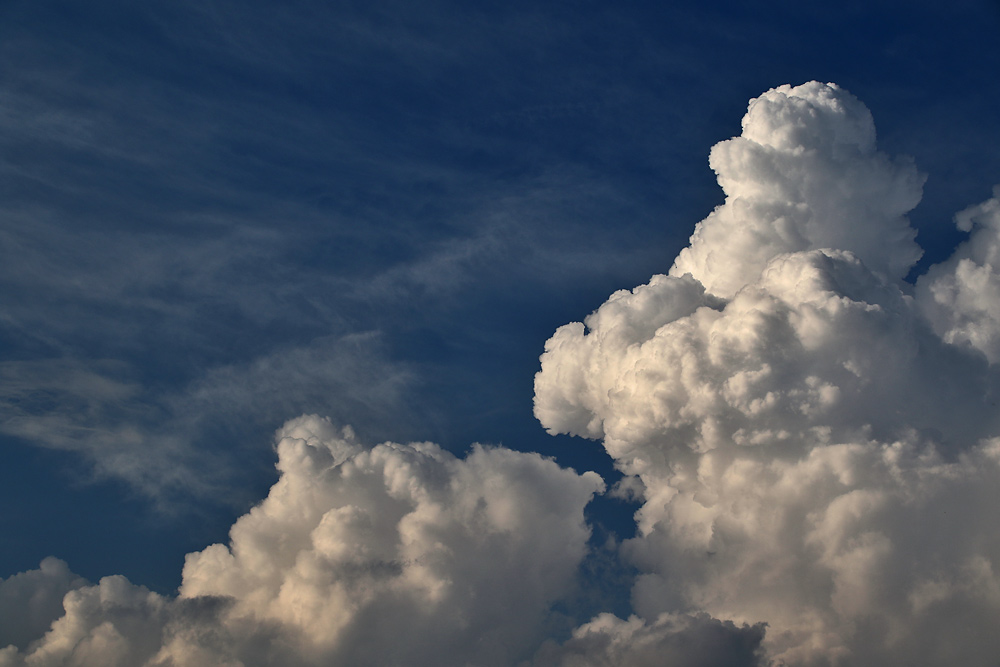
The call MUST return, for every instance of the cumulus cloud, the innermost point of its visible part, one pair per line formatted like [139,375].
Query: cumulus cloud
[804,174]
[155,440]
[675,640]
[814,444]
[961,297]
[30,601]
[815,447]
[392,554]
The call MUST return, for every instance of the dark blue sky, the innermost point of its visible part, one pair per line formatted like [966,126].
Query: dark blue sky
[217,216]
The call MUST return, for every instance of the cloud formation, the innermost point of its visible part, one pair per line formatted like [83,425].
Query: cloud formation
[393,554]
[816,448]
[814,443]
[677,640]
[156,440]
[804,174]
[30,601]
[961,297]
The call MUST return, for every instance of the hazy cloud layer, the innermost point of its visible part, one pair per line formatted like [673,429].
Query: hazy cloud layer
[156,440]
[30,601]
[812,451]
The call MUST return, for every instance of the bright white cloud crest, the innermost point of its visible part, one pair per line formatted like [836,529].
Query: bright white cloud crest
[961,297]
[815,445]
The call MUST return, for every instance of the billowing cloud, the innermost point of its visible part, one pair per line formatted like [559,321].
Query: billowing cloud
[814,443]
[393,554]
[961,297]
[804,174]
[816,449]
[674,640]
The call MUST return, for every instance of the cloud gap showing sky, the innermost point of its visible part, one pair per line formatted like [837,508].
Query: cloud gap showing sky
[812,442]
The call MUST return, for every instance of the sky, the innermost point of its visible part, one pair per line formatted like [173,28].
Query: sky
[524,333]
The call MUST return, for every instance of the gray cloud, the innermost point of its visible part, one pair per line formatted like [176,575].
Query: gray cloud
[675,640]
[156,239]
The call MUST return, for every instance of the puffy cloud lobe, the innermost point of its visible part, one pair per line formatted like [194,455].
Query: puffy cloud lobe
[118,624]
[394,554]
[860,553]
[803,175]
[817,347]
[30,601]
[961,296]
[675,640]
[403,542]
[571,397]
[813,450]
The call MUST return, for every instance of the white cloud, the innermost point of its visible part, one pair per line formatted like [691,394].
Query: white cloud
[393,554]
[961,296]
[813,453]
[814,444]
[675,640]
[804,174]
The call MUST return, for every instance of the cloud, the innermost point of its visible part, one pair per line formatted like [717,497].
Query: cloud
[804,174]
[179,250]
[154,439]
[30,601]
[813,441]
[392,554]
[675,640]
[961,297]
[816,447]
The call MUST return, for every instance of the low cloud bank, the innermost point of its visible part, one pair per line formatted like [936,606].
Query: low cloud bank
[814,442]
[392,554]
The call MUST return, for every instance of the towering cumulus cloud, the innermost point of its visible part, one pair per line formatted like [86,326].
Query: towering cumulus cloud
[816,447]
[815,444]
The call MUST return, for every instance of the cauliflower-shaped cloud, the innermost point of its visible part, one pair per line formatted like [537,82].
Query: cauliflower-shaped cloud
[814,443]
[393,554]
[961,297]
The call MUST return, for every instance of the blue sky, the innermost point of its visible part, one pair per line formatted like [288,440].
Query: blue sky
[217,216]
